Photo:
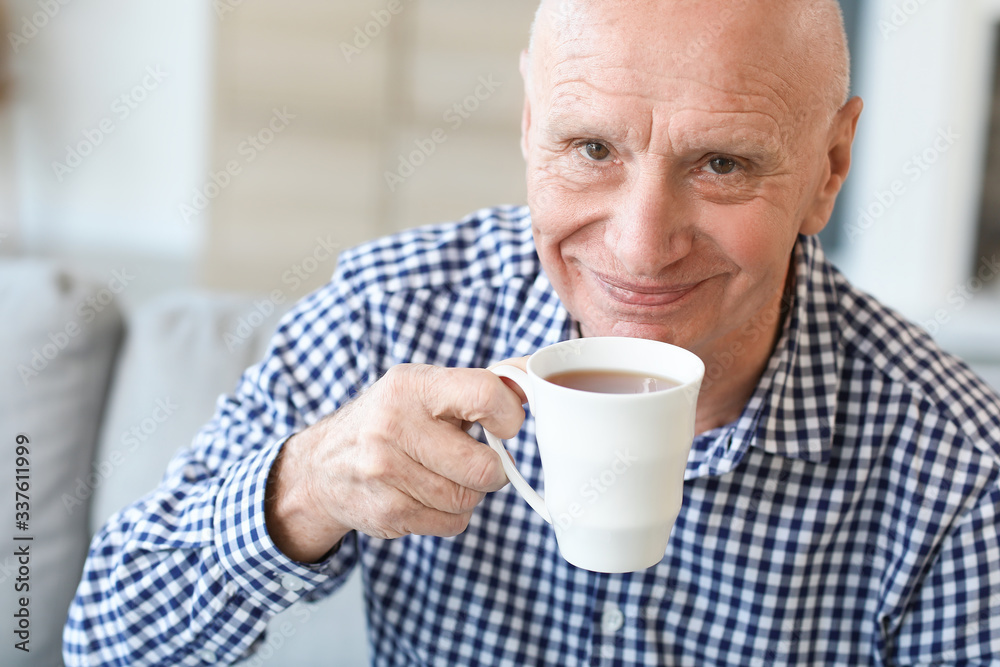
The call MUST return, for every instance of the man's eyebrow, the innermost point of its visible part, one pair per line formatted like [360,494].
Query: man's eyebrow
[563,125]
[738,137]
[728,133]
[739,146]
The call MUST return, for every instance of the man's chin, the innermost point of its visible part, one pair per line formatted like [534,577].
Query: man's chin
[660,331]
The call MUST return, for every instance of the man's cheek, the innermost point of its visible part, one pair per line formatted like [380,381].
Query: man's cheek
[558,212]
[754,243]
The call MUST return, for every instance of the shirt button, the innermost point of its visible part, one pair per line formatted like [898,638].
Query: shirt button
[206,655]
[612,620]
[292,583]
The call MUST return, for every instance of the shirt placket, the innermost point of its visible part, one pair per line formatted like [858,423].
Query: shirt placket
[609,622]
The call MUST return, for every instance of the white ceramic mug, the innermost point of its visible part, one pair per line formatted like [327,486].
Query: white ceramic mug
[613,463]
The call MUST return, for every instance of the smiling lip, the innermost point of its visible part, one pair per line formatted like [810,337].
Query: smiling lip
[634,294]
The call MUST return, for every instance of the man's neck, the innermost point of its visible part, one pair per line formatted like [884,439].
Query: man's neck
[735,363]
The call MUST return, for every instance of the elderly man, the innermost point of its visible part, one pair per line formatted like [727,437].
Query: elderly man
[841,496]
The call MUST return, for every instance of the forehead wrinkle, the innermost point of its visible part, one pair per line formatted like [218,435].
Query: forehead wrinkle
[779,87]
[572,108]
[589,69]
[650,84]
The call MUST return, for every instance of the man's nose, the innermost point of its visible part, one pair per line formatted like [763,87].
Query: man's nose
[648,231]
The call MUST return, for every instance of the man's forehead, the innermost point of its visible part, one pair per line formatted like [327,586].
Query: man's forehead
[738,85]
[644,61]
[604,99]
[738,48]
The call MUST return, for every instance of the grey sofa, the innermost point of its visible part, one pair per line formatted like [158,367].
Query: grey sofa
[104,401]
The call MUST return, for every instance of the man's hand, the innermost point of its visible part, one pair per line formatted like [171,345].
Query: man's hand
[395,461]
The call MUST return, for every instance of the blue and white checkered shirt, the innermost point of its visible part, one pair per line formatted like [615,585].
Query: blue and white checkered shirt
[848,517]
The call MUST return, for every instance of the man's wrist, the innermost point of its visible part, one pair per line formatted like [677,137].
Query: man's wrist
[252,562]
[294,522]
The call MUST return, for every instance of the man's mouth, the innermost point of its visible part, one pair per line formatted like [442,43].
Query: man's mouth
[648,294]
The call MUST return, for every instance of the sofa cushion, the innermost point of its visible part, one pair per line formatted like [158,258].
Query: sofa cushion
[181,352]
[58,340]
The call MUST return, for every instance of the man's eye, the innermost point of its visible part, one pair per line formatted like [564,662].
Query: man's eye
[721,165]
[595,151]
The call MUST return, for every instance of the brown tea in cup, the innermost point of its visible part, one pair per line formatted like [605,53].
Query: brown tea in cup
[612,381]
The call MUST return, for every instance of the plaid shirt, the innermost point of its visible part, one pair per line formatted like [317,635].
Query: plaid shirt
[849,516]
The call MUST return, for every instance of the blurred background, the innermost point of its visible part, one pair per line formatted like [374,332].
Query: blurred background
[121,119]
[188,158]
[357,94]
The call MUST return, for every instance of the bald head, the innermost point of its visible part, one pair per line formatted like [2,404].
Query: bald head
[804,38]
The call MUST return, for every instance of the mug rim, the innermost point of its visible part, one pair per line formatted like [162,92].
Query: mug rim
[694,377]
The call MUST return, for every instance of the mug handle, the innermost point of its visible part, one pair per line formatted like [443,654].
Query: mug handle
[537,503]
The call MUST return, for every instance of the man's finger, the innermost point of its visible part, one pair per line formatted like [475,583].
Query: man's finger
[516,362]
[433,490]
[434,522]
[459,395]
[457,457]
[403,515]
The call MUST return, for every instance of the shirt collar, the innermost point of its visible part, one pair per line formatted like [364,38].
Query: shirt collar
[542,320]
[798,419]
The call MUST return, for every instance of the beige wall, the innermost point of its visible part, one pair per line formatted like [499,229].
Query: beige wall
[356,113]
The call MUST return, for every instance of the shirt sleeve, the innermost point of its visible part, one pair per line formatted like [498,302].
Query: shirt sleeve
[188,575]
[956,615]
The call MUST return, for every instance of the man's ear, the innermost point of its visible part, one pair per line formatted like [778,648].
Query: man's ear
[526,114]
[836,168]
